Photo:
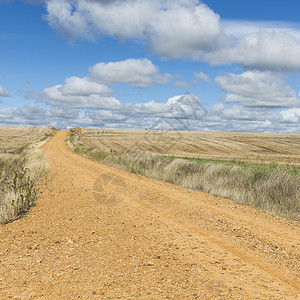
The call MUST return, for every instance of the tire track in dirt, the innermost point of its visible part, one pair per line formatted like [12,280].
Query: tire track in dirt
[159,241]
[237,215]
[210,236]
[293,281]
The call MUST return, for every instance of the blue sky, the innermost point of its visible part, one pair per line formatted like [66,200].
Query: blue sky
[183,64]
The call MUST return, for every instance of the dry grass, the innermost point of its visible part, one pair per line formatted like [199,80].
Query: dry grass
[272,188]
[21,163]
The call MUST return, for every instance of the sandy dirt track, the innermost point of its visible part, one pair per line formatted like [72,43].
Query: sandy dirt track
[98,232]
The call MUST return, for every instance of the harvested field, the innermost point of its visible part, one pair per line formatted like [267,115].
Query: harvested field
[250,148]
[14,139]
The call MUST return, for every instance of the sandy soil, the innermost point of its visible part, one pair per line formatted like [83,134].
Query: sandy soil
[98,232]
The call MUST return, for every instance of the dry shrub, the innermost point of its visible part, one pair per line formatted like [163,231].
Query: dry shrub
[18,192]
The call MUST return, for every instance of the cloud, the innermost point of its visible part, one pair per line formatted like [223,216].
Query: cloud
[184,29]
[238,118]
[178,112]
[261,50]
[237,113]
[202,76]
[241,28]
[257,89]
[291,115]
[78,93]
[83,86]
[173,29]
[55,96]
[4,92]
[92,91]
[30,115]
[188,107]
[135,72]
[180,29]
[174,113]
[57,113]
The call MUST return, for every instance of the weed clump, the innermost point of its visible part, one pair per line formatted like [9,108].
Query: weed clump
[18,191]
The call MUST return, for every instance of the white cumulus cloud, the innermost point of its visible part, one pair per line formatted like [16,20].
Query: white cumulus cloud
[79,93]
[257,89]
[83,86]
[93,91]
[180,29]
[261,50]
[173,29]
[184,29]
[185,106]
[291,115]
[135,72]
[56,97]
[241,28]
[178,112]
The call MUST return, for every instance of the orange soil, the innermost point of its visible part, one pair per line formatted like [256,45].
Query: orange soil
[98,232]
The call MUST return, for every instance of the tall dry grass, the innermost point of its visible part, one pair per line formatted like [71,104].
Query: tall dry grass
[19,172]
[272,188]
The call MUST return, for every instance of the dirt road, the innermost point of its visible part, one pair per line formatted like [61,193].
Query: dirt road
[98,232]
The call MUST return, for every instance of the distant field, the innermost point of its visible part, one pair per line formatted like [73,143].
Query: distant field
[14,139]
[255,169]
[250,148]
[21,164]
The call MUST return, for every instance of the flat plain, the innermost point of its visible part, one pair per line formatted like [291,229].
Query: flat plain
[250,148]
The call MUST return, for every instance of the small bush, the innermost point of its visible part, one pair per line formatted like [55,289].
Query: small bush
[18,192]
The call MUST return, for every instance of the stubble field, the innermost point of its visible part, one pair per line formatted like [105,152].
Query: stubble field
[250,148]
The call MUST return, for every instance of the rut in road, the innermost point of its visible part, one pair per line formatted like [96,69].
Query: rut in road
[100,231]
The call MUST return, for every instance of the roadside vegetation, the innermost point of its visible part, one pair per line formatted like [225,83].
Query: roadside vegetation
[22,163]
[271,188]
